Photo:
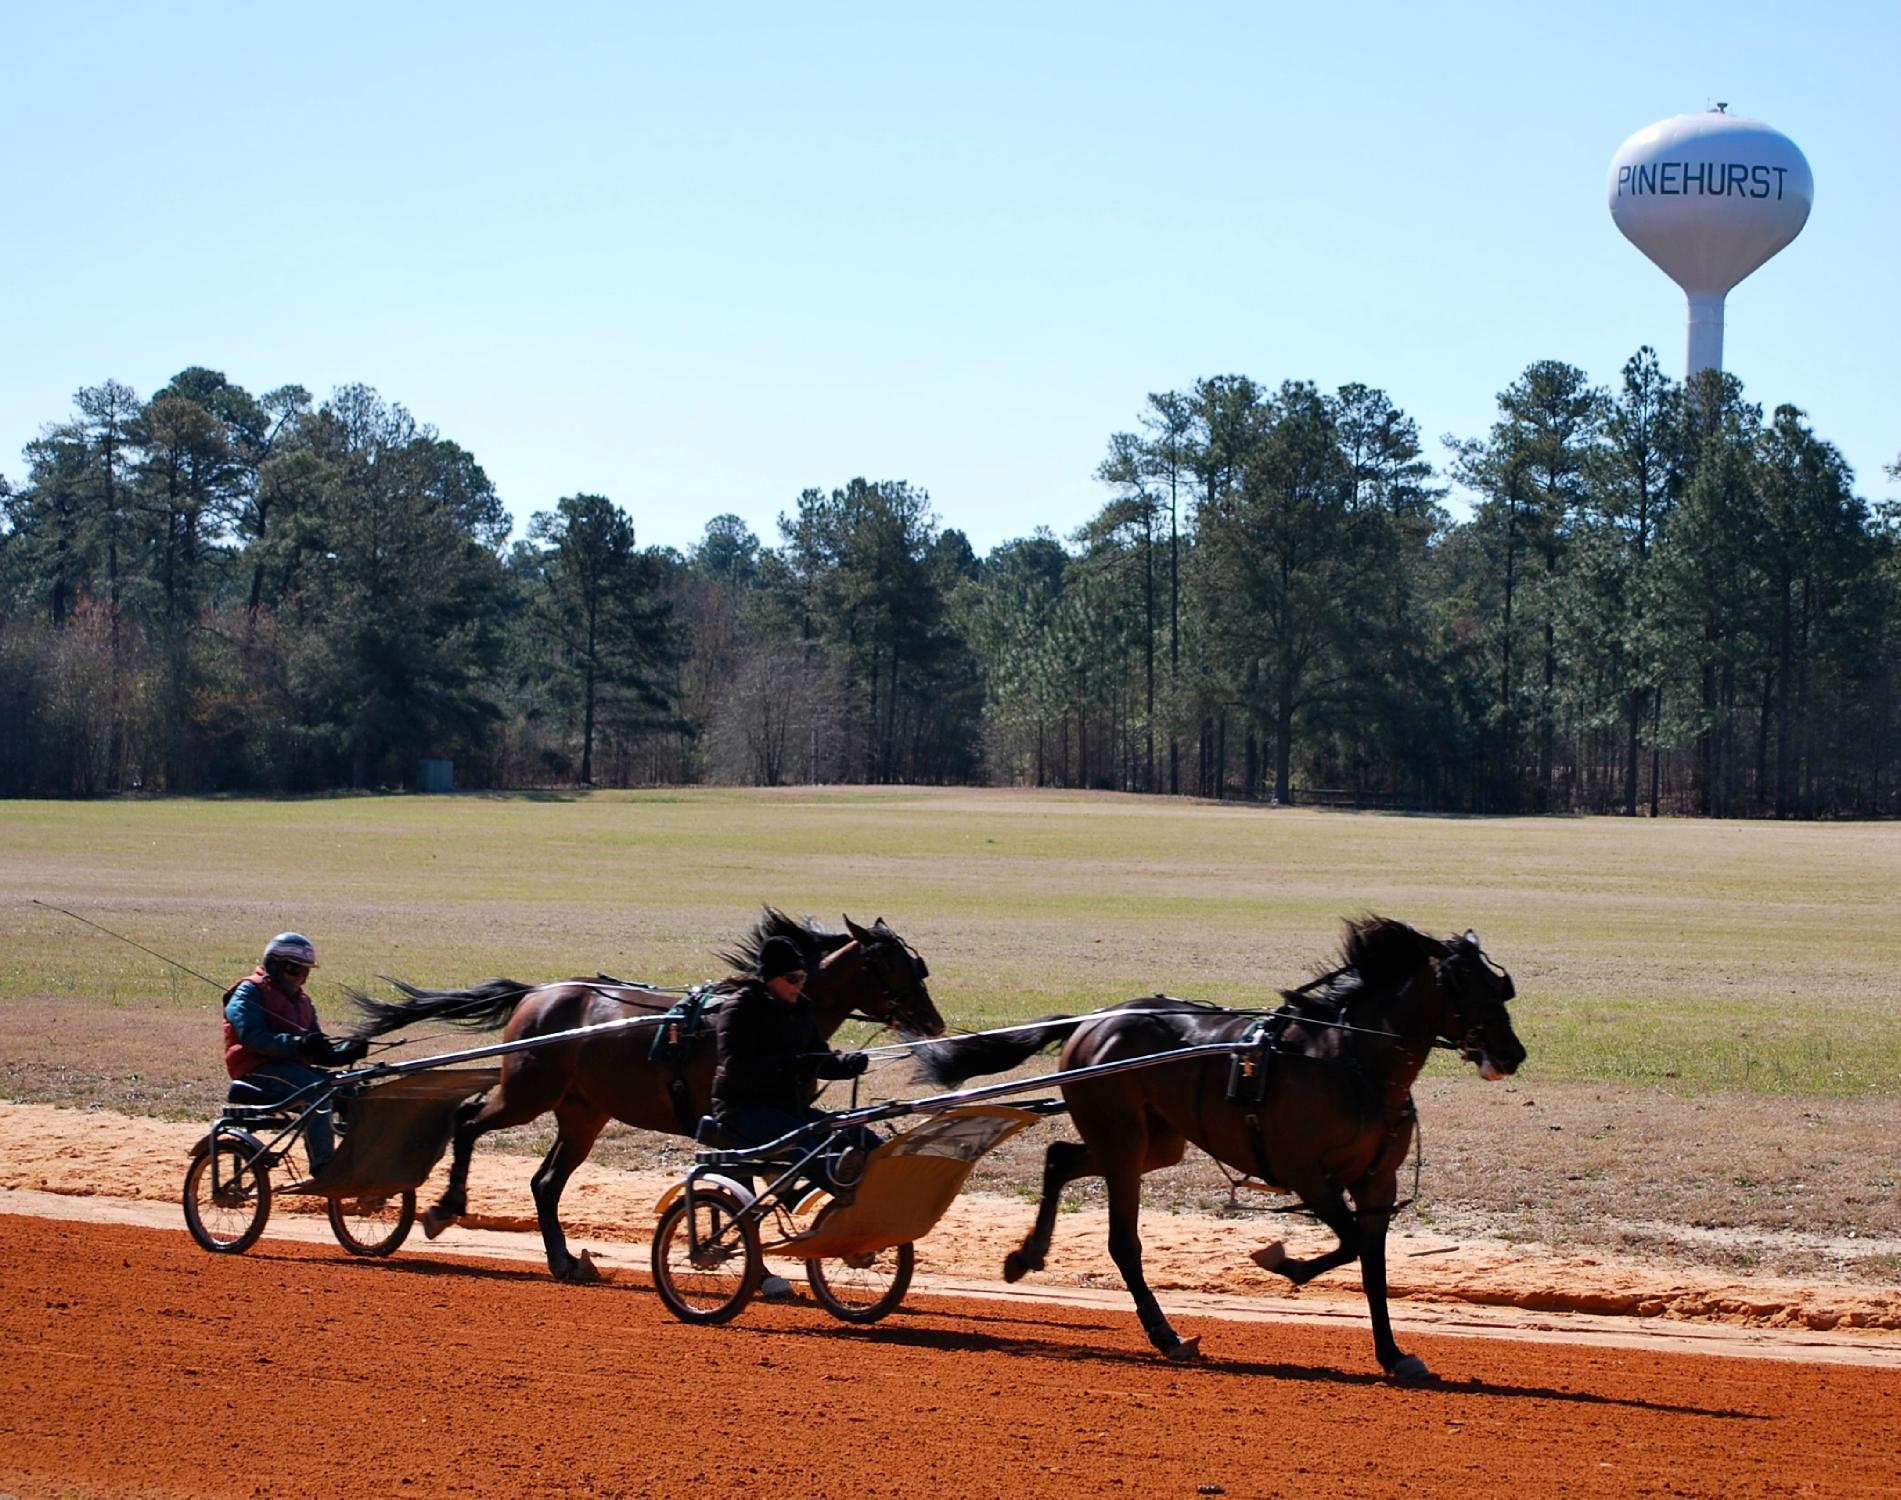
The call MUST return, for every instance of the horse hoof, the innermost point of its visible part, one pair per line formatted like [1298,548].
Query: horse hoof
[776,1289]
[434,1222]
[1016,1265]
[1410,1370]
[1185,1352]
[1270,1257]
[580,1271]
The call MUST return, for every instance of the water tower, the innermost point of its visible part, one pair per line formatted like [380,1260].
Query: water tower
[1709,198]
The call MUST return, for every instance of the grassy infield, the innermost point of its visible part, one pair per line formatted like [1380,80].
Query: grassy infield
[1702,956]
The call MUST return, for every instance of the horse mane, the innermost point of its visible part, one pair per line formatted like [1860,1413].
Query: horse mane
[1377,954]
[812,940]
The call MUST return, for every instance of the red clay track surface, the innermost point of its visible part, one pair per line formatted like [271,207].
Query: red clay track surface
[136,1364]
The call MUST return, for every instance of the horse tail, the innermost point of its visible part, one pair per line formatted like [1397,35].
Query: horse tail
[948,1063]
[481,1007]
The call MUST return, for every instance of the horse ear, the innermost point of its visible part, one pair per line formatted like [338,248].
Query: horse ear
[1471,938]
[856,931]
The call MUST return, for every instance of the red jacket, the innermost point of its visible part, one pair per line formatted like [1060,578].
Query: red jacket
[290,1009]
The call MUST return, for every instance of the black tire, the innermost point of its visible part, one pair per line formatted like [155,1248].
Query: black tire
[860,1288]
[227,1218]
[373,1226]
[729,1268]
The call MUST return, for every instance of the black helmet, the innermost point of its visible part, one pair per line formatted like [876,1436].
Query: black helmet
[778,955]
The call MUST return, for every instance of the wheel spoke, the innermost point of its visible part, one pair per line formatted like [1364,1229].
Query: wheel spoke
[862,1287]
[705,1270]
[373,1225]
[227,1198]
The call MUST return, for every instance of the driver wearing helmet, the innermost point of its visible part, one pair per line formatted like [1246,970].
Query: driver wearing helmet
[770,1054]
[273,1046]
[770,1050]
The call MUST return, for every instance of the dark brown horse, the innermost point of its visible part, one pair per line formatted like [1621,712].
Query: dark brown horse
[870,973]
[1330,1118]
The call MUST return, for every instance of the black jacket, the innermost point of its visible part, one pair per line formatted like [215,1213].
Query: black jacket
[770,1053]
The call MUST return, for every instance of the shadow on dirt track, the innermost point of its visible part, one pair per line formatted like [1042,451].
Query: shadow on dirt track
[952,1343]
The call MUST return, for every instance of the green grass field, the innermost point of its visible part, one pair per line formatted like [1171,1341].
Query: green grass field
[1706,956]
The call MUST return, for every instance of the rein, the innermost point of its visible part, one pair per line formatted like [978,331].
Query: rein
[1187,1008]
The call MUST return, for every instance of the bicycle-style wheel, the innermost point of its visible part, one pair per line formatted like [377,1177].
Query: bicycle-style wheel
[373,1225]
[860,1288]
[227,1198]
[710,1284]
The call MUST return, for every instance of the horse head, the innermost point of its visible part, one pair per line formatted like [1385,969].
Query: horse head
[1473,992]
[897,994]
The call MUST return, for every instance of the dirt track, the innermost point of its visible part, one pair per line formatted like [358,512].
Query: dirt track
[88,1156]
[139,1365]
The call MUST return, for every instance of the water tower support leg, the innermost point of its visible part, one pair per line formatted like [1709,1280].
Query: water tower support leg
[1706,334]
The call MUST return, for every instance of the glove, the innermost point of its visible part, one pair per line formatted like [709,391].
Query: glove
[349,1049]
[314,1047]
[843,1065]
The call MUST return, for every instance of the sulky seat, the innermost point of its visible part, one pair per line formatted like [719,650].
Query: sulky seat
[247,1103]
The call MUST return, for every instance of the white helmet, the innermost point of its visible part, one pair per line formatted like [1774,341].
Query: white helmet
[293,947]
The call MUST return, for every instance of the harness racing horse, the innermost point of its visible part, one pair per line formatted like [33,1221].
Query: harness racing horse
[1331,1119]
[871,973]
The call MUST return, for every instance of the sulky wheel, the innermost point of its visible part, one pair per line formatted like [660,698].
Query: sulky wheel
[227,1197]
[373,1225]
[712,1284]
[860,1288]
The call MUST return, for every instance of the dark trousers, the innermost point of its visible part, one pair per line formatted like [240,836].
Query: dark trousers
[756,1125]
[277,1081]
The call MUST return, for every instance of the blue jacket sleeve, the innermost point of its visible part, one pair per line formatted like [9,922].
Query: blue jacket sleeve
[255,1025]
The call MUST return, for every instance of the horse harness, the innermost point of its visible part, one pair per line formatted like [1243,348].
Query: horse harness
[1247,1086]
[674,1044]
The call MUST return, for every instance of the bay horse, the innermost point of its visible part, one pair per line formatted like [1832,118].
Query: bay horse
[870,973]
[1331,1119]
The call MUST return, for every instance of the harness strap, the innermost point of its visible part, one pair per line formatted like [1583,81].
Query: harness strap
[1402,1116]
[1247,1071]
[1257,1138]
[673,1047]
[680,1096]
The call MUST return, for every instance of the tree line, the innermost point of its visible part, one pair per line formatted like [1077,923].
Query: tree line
[1657,599]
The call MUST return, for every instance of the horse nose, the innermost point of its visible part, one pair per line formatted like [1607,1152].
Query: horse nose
[928,1020]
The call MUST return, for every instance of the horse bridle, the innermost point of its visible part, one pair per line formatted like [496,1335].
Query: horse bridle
[1470,1046]
[894,998]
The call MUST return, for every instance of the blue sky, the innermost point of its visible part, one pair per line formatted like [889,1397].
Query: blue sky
[698,258]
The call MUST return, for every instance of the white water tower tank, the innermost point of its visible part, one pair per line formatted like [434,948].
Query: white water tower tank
[1709,198]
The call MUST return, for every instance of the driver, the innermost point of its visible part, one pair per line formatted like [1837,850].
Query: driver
[770,1050]
[273,1046]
